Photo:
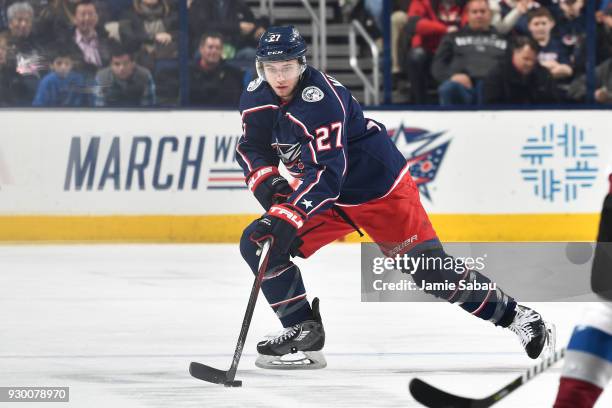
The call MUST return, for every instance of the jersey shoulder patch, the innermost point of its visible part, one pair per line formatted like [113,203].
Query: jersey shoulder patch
[312,94]
[254,84]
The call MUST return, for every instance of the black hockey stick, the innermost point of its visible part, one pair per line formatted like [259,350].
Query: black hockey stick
[433,397]
[213,375]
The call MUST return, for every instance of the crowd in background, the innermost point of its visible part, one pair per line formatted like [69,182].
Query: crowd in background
[80,53]
[83,53]
[466,52]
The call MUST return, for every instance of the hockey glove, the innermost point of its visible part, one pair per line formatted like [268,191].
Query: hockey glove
[268,186]
[280,223]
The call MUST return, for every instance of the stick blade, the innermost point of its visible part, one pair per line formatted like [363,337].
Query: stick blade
[206,373]
[433,397]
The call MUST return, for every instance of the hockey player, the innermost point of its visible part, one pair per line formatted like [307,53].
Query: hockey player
[352,176]
[588,361]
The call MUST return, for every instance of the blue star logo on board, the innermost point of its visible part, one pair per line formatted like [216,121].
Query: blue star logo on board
[560,163]
[424,151]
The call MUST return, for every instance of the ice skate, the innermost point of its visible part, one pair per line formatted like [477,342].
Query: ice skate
[535,335]
[295,347]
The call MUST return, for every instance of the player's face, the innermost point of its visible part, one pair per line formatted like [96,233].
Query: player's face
[283,77]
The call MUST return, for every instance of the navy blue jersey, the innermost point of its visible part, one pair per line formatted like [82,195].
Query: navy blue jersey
[322,137]
[554,51]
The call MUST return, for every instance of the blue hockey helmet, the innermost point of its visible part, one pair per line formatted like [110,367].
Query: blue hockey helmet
[280,43]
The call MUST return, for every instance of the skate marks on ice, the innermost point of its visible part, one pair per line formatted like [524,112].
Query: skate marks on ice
[351,380]
[119,324]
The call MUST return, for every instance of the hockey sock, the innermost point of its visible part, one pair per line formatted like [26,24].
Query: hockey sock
[474,292]
[491,304]
[575,393]
[284,289]
[589,356]
[282,284]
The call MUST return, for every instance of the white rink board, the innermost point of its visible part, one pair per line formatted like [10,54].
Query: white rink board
[43,152]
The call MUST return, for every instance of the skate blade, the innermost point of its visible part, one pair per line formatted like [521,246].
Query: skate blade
[302,360]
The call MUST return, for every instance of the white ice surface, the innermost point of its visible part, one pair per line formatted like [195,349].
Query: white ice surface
[119,325]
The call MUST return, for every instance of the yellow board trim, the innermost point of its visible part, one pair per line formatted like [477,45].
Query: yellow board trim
[228,228]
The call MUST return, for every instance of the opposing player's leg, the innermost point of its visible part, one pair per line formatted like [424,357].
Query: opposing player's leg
[299,343]
[588,360]
[413,234]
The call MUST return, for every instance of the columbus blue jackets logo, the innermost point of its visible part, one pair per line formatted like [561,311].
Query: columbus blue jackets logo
[424,151]
[290,156]
[312,94]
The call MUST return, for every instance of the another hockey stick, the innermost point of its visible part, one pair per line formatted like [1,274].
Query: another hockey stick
[433,397]
[213,375]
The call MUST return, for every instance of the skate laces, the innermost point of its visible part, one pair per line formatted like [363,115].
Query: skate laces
[284,334]
[522,324]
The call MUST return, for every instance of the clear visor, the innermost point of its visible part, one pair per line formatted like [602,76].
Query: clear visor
[280,70]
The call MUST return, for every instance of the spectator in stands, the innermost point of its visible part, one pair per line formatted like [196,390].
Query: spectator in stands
[37,6]
[604,34]
[153,24]
[508,15]
[124,83]
[63,86]
[14,88]
[7,72]
[235,21]
[24,52]
[466,56]
[553,54]
[428,22]
[375,10]
[603,84]
[88,40]
[212,81]
[399,18]
[59,16]
[519,79]
[571,24]
[20,34]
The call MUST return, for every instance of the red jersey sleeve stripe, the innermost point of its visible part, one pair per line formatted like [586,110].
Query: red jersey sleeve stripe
[257,108]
